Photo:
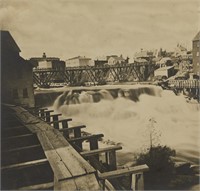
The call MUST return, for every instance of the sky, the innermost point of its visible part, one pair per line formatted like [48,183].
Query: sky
[91,28]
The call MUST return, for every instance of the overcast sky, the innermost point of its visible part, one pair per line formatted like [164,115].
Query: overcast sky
[64,28]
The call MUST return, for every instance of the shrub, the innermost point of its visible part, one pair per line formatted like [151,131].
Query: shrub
[161,167]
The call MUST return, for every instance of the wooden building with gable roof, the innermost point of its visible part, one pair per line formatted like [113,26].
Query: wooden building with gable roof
[16,74]
[196,53]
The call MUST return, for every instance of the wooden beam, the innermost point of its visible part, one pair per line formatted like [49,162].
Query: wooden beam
[72,128]
[97,136]
[61,120]
[11,128]
[17,137]
[101,150]
[24,164]
[53,115]
[21,148]
[123,172]
[45,111]
[45,186]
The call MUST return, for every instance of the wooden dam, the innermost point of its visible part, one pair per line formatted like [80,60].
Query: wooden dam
[40,151]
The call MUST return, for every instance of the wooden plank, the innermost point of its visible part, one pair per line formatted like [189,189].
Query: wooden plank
[86,182]
[72,159]
[101,150]
[46,111]
[72,128]
[97,136]
[53,115]
[60,170]
[122,172]
[68,184]
[11,128]
[61,120]
[21,148]
[24,164]
[45,186]
[17,137]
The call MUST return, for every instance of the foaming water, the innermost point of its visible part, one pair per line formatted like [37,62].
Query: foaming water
[175,122]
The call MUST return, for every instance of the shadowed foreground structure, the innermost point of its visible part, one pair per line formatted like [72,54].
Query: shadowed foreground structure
[38,156]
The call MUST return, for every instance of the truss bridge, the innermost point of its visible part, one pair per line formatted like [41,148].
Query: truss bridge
[93,74]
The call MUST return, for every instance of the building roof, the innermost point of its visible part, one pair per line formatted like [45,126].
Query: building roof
[80,58]
[197,37]
[140,60]
[8,43]
[164,68]
[164,60]
[44,58]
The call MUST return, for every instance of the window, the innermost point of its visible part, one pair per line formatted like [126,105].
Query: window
[197,53]
[15,94]
[25,93]
[197,44]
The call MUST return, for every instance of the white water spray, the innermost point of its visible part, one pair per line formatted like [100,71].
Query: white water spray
[127,122]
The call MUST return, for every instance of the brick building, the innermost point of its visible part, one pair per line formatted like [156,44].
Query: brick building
[16,74]
[196,54]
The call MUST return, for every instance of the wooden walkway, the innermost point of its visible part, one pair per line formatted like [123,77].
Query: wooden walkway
[41,152]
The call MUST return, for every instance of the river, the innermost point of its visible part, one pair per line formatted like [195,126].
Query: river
[128,115]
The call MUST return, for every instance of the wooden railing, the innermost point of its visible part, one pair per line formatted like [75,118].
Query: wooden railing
[135,173]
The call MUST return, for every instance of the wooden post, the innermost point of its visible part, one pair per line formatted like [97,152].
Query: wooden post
[48,118]
[132,182]
[77,133]
[55,120]
[42,115]
[102,184]
[94,145]
[65,126]
[112,160]
[139,185]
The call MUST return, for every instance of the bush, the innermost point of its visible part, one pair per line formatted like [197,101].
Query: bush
[161,167]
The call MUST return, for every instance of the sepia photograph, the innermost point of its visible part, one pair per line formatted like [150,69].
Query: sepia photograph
[100,95]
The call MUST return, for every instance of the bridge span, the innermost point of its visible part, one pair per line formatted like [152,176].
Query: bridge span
[44,77]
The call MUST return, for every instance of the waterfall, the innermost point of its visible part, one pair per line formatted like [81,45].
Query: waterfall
[123,114]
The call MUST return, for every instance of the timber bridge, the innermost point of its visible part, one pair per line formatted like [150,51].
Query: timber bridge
[41,151]
[44,77]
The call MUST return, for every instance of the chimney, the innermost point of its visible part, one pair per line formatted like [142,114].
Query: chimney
[44,55]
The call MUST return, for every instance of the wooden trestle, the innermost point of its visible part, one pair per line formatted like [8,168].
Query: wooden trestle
[97,75]
[39,151]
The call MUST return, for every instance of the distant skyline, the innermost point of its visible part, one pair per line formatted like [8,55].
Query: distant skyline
[66,28]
